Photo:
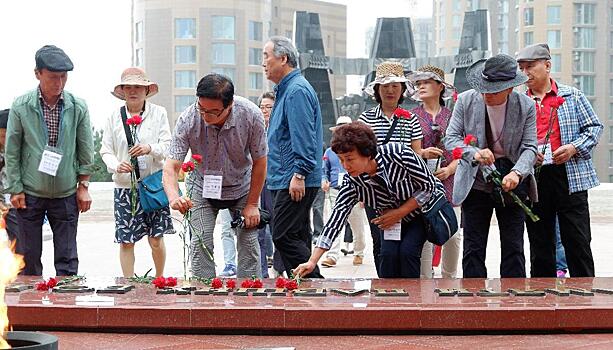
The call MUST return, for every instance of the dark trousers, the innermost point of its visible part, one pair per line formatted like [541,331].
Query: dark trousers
[264,235]
[401,259]
[573,214]
[12,230]
[63,215]
[477,212]
[375,232]
[291,230]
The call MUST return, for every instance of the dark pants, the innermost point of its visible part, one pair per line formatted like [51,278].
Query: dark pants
[12,229]
[264,235]
[291,231]
[63,215]
[573,213]
[401,259]
[318,213]
[477,212]
[375,232]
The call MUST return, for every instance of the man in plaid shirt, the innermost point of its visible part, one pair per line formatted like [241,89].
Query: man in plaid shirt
[567,131]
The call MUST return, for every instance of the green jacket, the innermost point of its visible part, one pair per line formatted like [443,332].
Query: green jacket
[26,138]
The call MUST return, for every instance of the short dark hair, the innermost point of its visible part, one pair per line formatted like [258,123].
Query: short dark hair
[354,136]
[403,86]
[267,94]
[217,87]
[4,118]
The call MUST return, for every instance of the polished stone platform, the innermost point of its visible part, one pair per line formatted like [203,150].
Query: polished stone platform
[365,306]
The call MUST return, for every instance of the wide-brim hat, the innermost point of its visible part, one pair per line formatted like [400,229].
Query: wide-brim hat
[430,72]
[495,74]
[134,76]
[342,120]
[390,72]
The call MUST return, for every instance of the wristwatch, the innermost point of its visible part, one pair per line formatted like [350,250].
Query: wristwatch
[299,176]
[84,183]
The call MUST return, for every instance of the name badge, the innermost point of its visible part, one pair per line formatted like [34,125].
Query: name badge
[341,177]
[393,233]
[548,154]
[7,198]
[211,186]
[142,162]
[50,162]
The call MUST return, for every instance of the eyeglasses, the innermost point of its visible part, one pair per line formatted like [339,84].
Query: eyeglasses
[266,107]
[213,114]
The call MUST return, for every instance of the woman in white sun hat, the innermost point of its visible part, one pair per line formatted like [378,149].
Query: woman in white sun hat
[147,155]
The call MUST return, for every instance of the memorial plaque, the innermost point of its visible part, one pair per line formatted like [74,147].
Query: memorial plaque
[581,292]
[461,292]
[558,292]
[310,292]
[260,292]
[527,292]
[241,292]
[602,290]
[492,293]
[118,289]
[16,288]
[276,292]
[166,291]
[380,292]
[72,289]
[349,292]
[220,291]
[205,291]
[183,291]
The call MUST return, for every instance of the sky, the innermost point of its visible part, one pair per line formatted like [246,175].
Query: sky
[96,36]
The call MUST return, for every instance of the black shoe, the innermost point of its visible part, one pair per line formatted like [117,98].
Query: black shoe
[344,251]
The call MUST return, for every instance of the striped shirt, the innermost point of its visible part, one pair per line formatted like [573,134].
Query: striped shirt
[406,130]
[401,175]
[51,115]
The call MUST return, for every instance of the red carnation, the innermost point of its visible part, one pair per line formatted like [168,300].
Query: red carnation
[197,158]
[257,283]
[556,101]
[399,112]
[281,282]
[136,119]
[188,166]
[216,283]
[159,282]
[291,285]
[455,96]
[247,284]
[52,282]
[230,284]
[129,121]
[41,285]
[470,140]
[171,282]
[457,153]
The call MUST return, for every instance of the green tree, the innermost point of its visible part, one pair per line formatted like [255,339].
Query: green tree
[100,173]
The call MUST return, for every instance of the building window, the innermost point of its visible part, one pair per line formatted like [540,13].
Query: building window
[456,34]
[185,79]
[611,158]
[254,99]
[138,32]
[585,13]
[610,87]
[553,14]
[610,134]
[556,63]
[529,16]
[255,56]
[288,34]
[584,61]
[457,6]
[228,72]
[223,53]
[584,38]
[183,101]
[138,58]
[610,64]
[455,21]
[185,28]
[528,38]
[255,30]
[185,54]
[255,81]
[553,39]
[610,111]
[610,178]
[223,27]
[585,83]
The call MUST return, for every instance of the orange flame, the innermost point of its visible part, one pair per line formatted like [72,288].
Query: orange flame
[10,265]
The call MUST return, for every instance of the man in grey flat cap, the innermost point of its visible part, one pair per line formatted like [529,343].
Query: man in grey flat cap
[49,159]
[503,121]
[567,132]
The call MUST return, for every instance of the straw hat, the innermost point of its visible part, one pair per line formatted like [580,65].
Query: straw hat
[134,76]
[389,72]
[430,72]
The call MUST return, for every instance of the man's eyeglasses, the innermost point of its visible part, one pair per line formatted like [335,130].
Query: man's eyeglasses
[213,113]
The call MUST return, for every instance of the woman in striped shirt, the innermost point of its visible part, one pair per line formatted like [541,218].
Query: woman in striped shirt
[390,123]
[394,181]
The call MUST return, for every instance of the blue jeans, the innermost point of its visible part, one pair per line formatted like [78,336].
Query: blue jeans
[401,259]
[227,238]
[560,255]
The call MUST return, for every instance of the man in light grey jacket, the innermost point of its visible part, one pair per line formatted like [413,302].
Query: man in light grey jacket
[503,121]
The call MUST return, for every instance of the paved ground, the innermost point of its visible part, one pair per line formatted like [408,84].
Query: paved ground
[98,253]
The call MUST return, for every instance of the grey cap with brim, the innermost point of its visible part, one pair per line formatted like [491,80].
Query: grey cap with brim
[53,58]
[495,74]
[534,53]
